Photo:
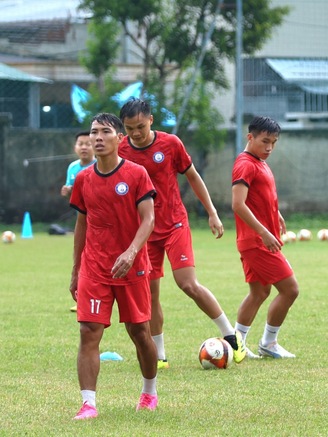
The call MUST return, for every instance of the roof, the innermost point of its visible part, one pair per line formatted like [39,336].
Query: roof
[28,10]
[35,32]
[310,74]
[10,73]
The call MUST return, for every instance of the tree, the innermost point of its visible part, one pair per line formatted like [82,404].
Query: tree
[170,35]
[99,59]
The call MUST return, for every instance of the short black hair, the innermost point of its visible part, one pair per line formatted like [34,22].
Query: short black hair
[107,118]
[263,124]
[134,107]
[85,133]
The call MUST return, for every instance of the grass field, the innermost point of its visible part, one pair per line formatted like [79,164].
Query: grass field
[39,340]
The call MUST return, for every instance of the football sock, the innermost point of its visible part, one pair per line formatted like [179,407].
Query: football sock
[159,341]
[89,396]
[270,334]
[149,386]
[224,325]
[242,329]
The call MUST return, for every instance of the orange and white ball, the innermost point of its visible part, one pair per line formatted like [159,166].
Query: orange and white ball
[322,234]
[8,237]
[289,237]
[304,235]
[215,353]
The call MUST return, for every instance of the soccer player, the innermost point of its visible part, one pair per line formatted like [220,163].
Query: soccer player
[84,151]
[114,200]
[259,225]
[164,156]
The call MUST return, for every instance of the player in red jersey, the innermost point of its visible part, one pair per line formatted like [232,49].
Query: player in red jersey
[114,200]
[259,225]
[164,156]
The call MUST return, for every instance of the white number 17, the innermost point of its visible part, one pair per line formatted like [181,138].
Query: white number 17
[95,305]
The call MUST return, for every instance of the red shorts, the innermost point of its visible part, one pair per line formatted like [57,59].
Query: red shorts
[178,247]
[264,266]
[95,301]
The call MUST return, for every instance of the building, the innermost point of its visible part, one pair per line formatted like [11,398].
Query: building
[287,79]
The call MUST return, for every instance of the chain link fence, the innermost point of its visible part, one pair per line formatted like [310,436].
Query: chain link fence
[39,67]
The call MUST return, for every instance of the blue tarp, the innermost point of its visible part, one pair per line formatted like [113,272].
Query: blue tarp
[80,96]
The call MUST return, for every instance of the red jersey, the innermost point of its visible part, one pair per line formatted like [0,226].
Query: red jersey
[163,159]
[262,199]
[110,203]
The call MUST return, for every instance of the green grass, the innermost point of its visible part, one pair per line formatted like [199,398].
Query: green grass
[39,340]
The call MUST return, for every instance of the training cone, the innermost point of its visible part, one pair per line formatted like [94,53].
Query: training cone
[110,356]
[27,226]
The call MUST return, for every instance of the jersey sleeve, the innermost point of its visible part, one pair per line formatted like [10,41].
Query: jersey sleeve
[76,199]
[182,159]
[146,188]
[243,172]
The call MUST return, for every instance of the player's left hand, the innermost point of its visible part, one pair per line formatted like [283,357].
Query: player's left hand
[120,268]
[216,226]
[73,286]
[124,263]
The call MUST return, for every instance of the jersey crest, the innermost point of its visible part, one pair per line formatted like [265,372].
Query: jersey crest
[158,157]
[122,188]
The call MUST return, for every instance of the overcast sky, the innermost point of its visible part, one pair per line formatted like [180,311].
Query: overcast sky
[20,10]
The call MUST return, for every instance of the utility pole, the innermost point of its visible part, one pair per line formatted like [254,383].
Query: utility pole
[239,78]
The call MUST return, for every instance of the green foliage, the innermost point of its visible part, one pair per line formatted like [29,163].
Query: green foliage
[40,338]
[170,35]
[259,20]
[205,132]
[99,59]
[102,47]
[122,10]
[173,32]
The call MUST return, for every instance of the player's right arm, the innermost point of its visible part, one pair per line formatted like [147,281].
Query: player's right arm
[66,190]
[239,207]
[79,243]
[199,188]
[147,221]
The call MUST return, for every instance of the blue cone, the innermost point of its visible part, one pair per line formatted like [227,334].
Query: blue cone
[27,226]
[110,356]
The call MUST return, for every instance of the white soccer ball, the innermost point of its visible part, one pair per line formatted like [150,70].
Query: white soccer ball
[289,237]
[322,234]
[8,237]
[304,235]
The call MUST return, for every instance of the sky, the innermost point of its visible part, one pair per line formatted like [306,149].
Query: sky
[20,10]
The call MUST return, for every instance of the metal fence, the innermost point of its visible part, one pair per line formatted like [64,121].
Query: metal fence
[287,89]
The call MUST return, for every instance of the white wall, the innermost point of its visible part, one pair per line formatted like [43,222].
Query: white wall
[304,32]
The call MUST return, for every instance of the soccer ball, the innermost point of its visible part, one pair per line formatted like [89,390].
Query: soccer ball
[304,235]
[322,234]
[289,237]
[215,353]
[8,237]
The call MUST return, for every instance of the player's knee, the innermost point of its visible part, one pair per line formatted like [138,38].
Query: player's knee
[290,291]
[265,293]
[260,294]
[190,288]
[139,334]
[90,333]
[294,292]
